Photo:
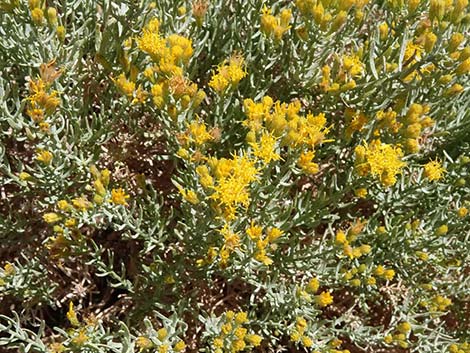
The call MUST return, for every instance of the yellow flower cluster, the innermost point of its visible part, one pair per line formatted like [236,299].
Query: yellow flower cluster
[231,242]
[331,14]
[170,53]
[234,337]
[387,274]
[311,287]
[275,26]
[255,233]
[433,170]
[400,336]
[355,121]
[58,245]
[269,121]
[228,74]
[44,156]
[231,181]
[437,303]
[354,253]
[345,241]
[196,133]
[380,160]
[300,333]
[162,342]
[264,150]
[41,101]
[349,68]
[410,127]
[170,89]
[459,348]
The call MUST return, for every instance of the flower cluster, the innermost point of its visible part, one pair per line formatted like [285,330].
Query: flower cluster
[380,160]
[229,74]
[275,26]
[233,335]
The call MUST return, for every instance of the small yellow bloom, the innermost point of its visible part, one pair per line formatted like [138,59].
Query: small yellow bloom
[51,217]
[24,176]
[253,339]
[307,341]
[389,274]
[81,203]
[179,346]
[44,157]
[324,299]
[442,230]
[313,285]
[72,316]
[190,196]
[404,327]
[143,343]
[9,269]
[462,212]
[162,333]
[241,318]
[37,16]
[433,170]
[361,193]
[119,196]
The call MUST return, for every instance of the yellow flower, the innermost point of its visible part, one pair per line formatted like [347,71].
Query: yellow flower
[254,231]
[70,222]
[37,16]
[404,327]
[179,346]
[143,343]
[389,274]
[361,193]
[301,324]
[44,157]
[189,196]
[313,285]
[124,85]
[198,133]
[380,160]
[264,150]
[163,348]
[241,317]
[228,74]
[324,299]
[340,237]
[80,339]
[24,176]
[238,345]
[306,163]
[240,332]
[162,333]
[72,316]
[119,196]
[51,217]
[233,179]
[253,339]
[433,170]
[9,269]
[462,212]
[307,341]
[295,336]
[81,203]
[273,234]
[442,230]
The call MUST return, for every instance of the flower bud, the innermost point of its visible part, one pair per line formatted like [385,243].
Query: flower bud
[52,16]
